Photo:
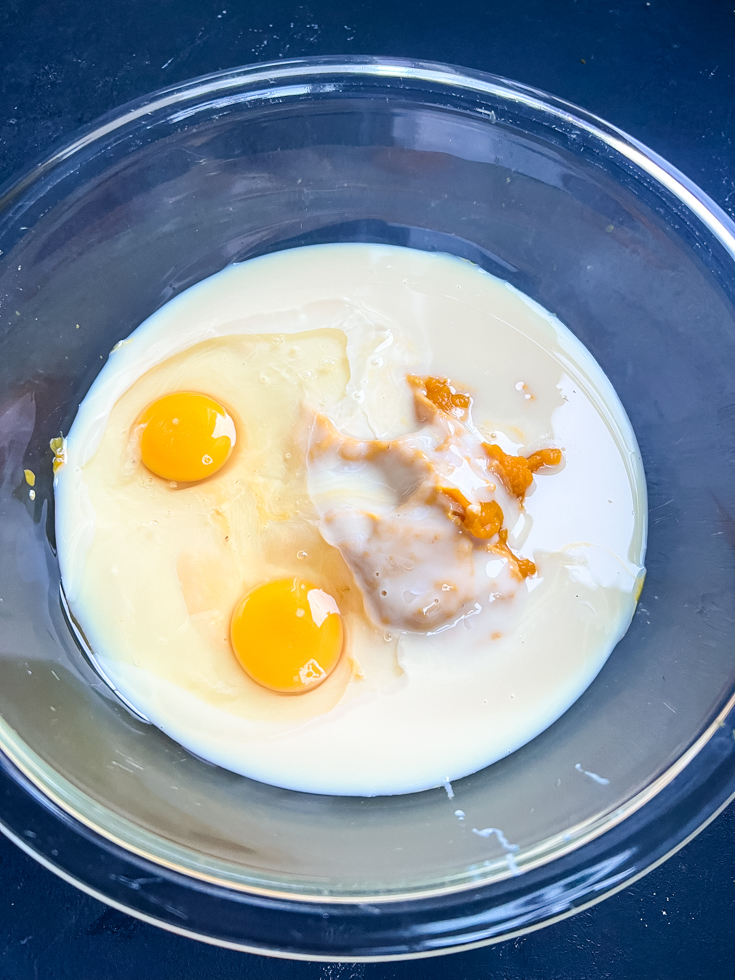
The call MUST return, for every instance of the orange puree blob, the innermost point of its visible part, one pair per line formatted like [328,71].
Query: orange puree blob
[441,394]
[524,565]
[482,520]
[544,457]
[457,498]
[517,471]
[514,470]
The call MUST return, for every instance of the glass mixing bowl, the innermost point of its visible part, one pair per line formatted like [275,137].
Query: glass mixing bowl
[635,259]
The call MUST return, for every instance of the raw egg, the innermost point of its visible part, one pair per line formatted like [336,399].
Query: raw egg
[185,436]
[425,543]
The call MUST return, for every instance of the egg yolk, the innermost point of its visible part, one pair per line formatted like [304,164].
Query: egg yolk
[186,436]
[287,635]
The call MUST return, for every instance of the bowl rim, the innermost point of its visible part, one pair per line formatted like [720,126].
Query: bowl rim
[65,852]
[270,73]
[261,82]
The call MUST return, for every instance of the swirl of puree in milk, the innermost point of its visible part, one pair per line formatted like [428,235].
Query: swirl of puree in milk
[351,519]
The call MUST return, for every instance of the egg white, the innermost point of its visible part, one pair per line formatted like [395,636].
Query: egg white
[409,709]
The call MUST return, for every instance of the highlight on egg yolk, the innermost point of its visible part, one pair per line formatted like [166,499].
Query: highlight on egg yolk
[287,635]
[186,436]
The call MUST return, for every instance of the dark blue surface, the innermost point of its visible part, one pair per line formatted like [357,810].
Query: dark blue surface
[665,72]
[674,924]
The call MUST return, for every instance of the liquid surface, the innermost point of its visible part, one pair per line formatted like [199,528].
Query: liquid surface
[326,340]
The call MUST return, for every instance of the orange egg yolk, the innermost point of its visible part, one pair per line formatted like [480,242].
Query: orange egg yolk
[287,635]
[186,436]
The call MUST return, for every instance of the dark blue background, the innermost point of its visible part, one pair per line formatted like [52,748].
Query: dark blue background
[664,71]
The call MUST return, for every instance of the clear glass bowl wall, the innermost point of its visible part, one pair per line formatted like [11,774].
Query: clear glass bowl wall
[232,167]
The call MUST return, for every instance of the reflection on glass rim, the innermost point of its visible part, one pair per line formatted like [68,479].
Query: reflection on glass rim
[147,845]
